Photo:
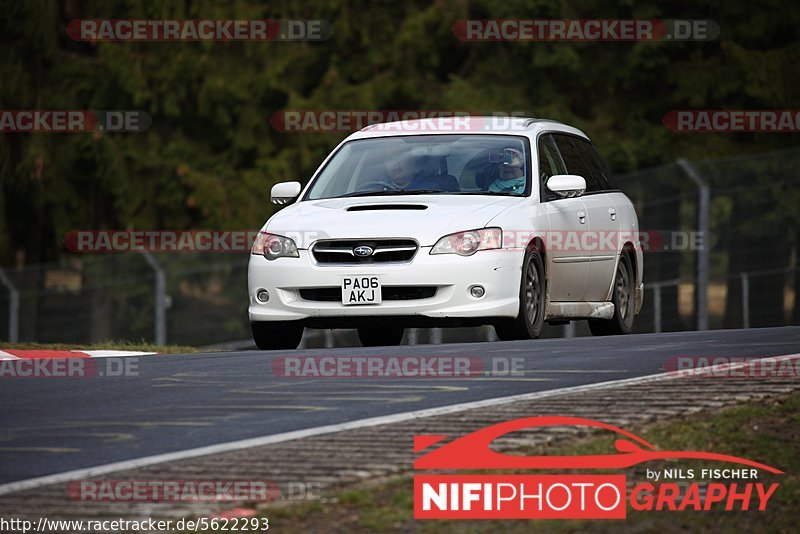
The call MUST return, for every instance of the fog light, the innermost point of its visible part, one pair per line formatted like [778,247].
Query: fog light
[262,295]
[477,291]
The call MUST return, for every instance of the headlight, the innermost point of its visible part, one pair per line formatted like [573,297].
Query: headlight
[273,246]
[469,242]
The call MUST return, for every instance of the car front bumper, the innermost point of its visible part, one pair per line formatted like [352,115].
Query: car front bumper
[498,271]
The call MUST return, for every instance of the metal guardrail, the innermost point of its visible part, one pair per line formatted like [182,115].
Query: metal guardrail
[13,308]
[744,277]
[159,313]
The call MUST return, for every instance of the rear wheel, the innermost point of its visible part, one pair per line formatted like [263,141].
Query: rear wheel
[376,337]
[274,336]
[623,299]
[530,320]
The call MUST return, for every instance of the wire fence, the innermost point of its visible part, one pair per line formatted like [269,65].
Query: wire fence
[751,247]
[750,278]
[94,298]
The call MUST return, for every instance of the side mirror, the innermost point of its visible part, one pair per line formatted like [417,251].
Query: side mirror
[566,185]
[285,192]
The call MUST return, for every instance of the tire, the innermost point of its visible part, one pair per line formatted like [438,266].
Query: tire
[623,298]
[530,319]
[377,337]
[273,336]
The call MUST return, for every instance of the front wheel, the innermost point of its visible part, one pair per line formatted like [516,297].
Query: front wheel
[623,299]
[376,337]
[274,336]
[530,320]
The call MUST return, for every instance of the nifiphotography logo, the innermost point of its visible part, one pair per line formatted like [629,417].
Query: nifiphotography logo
[574,496]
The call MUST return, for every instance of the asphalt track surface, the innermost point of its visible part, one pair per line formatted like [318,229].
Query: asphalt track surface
[177,402]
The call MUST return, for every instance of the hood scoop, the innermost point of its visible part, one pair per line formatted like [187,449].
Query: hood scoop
[377,207]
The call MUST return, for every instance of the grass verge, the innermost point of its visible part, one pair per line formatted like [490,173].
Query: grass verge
[767,431]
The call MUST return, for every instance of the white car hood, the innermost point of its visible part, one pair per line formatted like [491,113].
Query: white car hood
[308,221]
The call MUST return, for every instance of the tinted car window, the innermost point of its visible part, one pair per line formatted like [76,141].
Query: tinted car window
[445,164]
[576,162]
[549,164]
[583,159]
[599,167]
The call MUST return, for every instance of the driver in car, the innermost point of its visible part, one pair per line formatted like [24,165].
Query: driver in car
[402,174]
[511,173]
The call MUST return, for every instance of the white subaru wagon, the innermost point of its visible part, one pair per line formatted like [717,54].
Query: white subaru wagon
[510,225]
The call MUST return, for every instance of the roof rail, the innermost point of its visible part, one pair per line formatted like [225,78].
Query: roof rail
[531,122]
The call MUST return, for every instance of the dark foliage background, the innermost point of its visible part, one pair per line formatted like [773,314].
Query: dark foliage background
[211,156]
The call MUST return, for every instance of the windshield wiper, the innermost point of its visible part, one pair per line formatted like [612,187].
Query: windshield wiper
[426,192]
[396,192]
[487,193]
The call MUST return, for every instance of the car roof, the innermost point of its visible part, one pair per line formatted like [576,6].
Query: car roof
[479,125]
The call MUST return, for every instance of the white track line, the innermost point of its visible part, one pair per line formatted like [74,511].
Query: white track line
[91,353]
[113,353]
[230,446]
[6,356]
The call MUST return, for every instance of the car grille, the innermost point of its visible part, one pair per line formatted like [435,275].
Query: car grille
[385,251]
[334,294]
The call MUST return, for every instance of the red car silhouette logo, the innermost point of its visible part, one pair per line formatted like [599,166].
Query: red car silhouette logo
[473,452]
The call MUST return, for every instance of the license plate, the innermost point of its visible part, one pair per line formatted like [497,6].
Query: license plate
[361,290]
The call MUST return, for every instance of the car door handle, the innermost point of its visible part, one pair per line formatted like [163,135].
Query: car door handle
[612,213]
[582,217]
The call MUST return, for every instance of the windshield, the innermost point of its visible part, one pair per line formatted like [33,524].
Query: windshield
[426,164]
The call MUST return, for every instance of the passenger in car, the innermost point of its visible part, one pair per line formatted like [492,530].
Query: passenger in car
[511,173]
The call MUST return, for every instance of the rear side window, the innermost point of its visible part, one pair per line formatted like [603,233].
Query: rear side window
[582,159]
[600,169]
